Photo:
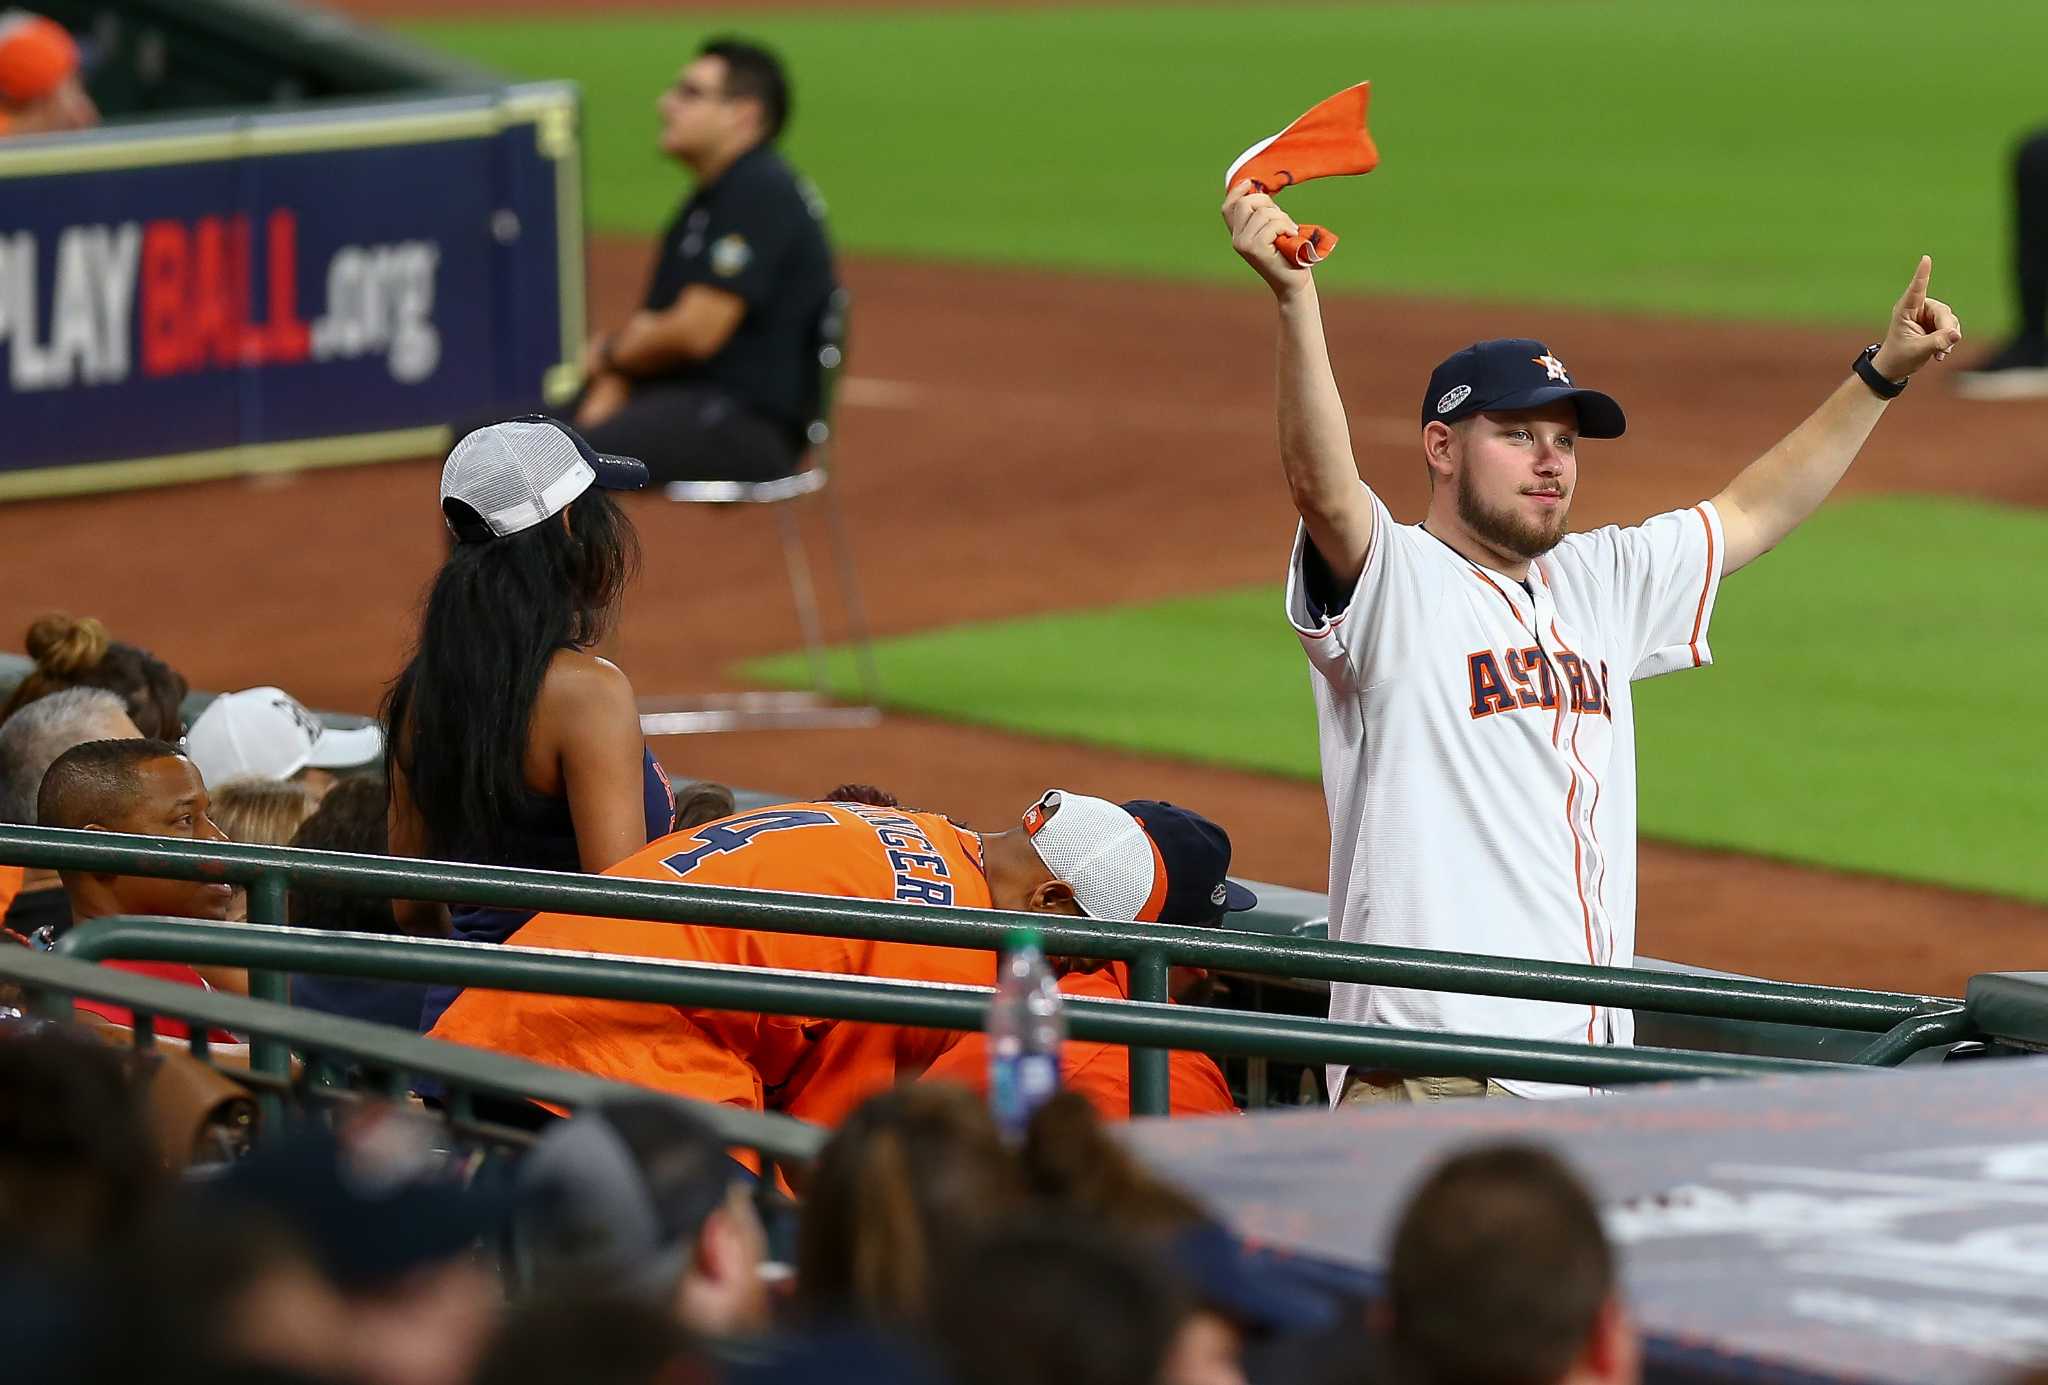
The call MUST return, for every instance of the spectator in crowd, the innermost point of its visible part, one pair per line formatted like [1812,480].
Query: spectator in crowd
[1199,894]
[700,801]
[261,812]
[30,742]
[716,376]
[1500,1273]
[72,653]
[860,793]
[77,1169]
[212,1293]
[2019,369]
[891,1201]
[258,812]
[40,87]
[1235,1298]
[508,741]
[351,819]
[266,733]
[1057,1299]
[145,787]
[391,1230]
[1071,1161]
[593,1341]
[1070,855]
[638,1198]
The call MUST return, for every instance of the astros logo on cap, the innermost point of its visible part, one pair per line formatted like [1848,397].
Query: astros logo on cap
[1553,368]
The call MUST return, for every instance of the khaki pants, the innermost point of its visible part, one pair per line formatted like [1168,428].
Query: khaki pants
[1366,1089]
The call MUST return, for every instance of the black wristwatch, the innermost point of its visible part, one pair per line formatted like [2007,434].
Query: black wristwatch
[1882,386]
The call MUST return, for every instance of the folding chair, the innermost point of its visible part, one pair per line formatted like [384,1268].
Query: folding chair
[668,716]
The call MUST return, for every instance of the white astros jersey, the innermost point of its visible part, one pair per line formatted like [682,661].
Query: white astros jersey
[1478,746]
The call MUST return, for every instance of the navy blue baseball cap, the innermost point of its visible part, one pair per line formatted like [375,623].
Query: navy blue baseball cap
[1514,373]
[1196,853]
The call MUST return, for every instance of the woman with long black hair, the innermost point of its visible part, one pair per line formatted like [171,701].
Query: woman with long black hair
[508,741]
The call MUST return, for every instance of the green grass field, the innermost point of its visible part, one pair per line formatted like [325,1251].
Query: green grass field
[1872,713]
[1740,159]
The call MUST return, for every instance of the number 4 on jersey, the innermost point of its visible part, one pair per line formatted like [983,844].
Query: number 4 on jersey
[717,838]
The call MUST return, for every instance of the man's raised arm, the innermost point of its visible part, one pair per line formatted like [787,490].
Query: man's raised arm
[1776,492]
[1315,440]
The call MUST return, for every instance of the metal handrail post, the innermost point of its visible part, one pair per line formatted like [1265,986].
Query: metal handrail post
[1151,1068]
[1909,1036]
[268,896]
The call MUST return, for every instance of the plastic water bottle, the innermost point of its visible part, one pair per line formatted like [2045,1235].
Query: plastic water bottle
[1025,1031]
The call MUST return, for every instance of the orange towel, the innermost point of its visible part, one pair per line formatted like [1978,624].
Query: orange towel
[1330,141]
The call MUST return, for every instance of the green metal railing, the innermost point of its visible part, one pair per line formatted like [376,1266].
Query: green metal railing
[330,1044]
[716,986]
[1149,949]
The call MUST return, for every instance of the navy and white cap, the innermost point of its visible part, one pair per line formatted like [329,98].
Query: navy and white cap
[1514,373]
[1196,854]
[508,477]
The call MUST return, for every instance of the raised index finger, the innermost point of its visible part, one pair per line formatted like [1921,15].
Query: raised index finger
[1916,292]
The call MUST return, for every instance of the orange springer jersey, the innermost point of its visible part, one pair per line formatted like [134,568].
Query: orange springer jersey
[836,849]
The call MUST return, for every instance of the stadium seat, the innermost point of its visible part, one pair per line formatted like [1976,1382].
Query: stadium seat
[677,716]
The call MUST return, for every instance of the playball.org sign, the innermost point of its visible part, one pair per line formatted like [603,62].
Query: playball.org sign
[200,307]
[178,297]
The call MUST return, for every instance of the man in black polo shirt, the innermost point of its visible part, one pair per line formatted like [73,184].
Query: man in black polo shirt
[716,376]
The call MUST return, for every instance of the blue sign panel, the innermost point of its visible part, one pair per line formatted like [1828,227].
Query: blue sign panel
[215,297]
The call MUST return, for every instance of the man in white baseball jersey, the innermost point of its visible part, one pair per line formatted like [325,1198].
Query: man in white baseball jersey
[1472,671]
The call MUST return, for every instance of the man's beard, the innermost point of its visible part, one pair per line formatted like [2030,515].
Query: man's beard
[1509,530]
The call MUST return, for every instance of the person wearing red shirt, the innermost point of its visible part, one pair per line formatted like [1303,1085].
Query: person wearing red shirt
[145,787]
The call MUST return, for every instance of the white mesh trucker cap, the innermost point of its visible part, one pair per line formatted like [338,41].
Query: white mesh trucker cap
[1101,851]
[268,734]
[512,475]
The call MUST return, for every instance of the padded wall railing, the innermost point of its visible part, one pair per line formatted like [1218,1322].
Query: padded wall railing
[1149,949]
[331,1045]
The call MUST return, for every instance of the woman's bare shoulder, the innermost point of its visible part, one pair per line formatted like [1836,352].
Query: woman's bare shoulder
[581,683]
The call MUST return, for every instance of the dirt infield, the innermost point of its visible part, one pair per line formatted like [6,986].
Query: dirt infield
[1017,442]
